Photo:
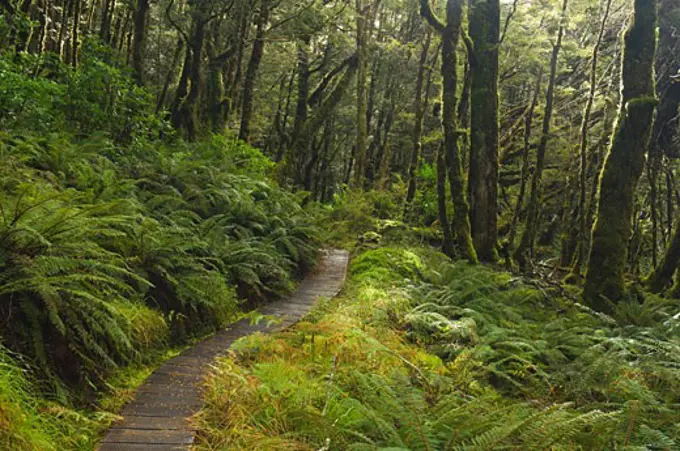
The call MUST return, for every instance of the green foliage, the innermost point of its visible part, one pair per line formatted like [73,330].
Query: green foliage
[115,244]
[465,358]
[102,233]
[42,94]
[21,427]
[384,263]
[60,283]
[364,219]
[525,342]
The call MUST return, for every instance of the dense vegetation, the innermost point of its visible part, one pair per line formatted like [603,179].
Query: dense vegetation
[460,358]
[166,165]
[116,244]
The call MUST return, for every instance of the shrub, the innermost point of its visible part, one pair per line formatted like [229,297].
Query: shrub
[92,233]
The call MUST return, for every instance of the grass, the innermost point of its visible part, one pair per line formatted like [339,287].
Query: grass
[465,357]
[31,421]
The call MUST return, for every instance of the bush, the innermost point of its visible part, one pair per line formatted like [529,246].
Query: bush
[92,233]
[41,94]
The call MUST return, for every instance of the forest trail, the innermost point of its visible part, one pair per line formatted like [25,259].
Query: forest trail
[157,418]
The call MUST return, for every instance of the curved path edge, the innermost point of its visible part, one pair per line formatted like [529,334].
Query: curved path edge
[157,418]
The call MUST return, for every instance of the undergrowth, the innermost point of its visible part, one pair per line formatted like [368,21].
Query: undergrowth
[464,357]
[360,220]
[119,241]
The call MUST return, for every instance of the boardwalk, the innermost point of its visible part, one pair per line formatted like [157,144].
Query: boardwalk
[157,418]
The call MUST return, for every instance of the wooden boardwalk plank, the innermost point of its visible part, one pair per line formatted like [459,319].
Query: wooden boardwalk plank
[157,419]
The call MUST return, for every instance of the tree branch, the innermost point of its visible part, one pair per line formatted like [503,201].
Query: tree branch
[7,6]
[429,15]
[175,24]
[507,21]
[318,92]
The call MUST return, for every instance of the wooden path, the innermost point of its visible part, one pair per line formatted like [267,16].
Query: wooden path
[157,418]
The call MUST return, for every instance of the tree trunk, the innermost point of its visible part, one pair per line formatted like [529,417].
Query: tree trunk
[624,163]
[252,71]
[63,26]
[283,137]
[526,247]
[74,32]
[484,24]
[197,44]
[447,243]
[361,105]
[107,16]
[172,72]
[417,125]
[583,153]
[663,136]
[329,104]
[140,21]
[234,70]
[181,92]
[662,276]
[450,34]
[298,154]
[528,124]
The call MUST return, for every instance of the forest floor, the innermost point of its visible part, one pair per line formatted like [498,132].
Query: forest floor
[419,353]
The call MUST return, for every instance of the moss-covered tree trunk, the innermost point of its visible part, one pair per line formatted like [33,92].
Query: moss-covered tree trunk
[417,124]
[140,31]
[74,32]
[181,91]
[528,125]
[326,108]
[442,210]
[624,163]
[299,153]
[581,211]
[484,24]
[450,35]
[253,70]
[106,20]
[361,105]
[189,109]
[216,102]
[662,276]
[663,138]
[526,246]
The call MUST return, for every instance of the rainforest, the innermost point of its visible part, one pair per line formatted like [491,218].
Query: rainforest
[328,225]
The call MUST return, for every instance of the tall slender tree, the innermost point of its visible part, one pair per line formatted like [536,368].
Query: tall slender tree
[605,277]
[526,246]
[484,23]
[450,35]
[253,70]
[417,123]
[362,27]
[581,210]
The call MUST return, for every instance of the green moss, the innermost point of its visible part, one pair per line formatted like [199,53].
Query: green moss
[386,262]
[625,161]
[605,281]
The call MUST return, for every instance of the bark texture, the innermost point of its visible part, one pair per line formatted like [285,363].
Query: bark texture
[450,35]
[624,163]
[484,24]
